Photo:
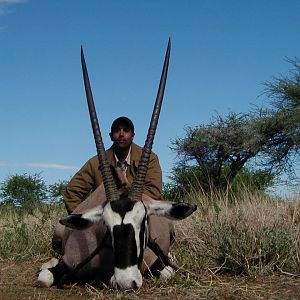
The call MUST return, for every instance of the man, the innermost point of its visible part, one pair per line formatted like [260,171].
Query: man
[123,154]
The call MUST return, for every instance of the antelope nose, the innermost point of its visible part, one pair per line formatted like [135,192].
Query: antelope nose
[134,285]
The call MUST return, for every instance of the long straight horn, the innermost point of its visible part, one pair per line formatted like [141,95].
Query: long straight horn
[108,181]
[139,180]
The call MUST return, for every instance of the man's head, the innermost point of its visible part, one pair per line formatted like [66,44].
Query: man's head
[122,133]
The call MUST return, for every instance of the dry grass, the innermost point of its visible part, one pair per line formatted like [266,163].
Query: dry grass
[252,235]
[24,236]
[245,248]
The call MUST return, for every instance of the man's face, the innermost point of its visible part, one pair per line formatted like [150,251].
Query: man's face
[122,136]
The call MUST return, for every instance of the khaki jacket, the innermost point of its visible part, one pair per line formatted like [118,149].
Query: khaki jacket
[88,178]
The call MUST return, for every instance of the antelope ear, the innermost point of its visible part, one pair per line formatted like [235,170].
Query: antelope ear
[83,221]
[170,210]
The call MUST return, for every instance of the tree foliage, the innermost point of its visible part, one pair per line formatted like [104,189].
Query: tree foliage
[191,179]
[267,138]
[27,191]
[220,149]
[282,122]
[24,191]
[56,191]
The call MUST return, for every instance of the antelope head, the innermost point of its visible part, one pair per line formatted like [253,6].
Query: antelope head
[126,216]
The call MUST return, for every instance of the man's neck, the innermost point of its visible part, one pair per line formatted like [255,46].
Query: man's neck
[121,153]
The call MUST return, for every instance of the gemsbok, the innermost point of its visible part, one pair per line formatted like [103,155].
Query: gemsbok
[116,235]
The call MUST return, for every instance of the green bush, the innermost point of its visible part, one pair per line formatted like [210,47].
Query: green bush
[24,191]
[27,192]
[191,179]
[56,191]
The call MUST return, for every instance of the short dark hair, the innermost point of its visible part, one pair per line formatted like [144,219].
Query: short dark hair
[122,119]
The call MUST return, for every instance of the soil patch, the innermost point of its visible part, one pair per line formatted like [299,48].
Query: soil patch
[18,281]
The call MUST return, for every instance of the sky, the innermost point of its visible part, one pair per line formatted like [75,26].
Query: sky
[222,53]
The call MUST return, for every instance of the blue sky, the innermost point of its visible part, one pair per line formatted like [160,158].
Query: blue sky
[222,52]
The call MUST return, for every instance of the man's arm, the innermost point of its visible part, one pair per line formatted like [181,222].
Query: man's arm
[153,181]
[82,183]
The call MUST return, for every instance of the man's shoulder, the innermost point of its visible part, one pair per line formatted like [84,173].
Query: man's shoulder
[136,148]
[136,151]
[93,161]
[109,155]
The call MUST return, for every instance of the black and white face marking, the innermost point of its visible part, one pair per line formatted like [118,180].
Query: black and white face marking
[126,221]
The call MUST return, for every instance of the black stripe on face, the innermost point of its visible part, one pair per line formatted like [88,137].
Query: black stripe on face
[142,241]
[125,251]
[122,206]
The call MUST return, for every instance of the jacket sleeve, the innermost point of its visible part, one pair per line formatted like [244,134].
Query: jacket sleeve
[153,181]
[79,187]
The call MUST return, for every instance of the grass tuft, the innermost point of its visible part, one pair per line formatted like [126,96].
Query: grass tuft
[24,235]
[249,235]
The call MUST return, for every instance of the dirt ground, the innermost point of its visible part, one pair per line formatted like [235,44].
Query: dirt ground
[18,279]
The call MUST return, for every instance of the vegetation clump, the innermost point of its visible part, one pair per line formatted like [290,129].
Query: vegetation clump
[254,234]
[261,143]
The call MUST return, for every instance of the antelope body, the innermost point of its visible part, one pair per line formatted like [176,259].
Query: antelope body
[107,237]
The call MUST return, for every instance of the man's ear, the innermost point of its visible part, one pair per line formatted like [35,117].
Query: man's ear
[170,210]
[111,137]
[132,137]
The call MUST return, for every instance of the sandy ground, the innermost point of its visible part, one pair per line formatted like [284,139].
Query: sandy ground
[18,280]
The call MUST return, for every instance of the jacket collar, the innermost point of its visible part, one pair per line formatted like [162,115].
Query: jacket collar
[134,157]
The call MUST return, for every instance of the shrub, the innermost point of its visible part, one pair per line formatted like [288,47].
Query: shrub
[24,191]
[253,235]
[191,179]
[56,191]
